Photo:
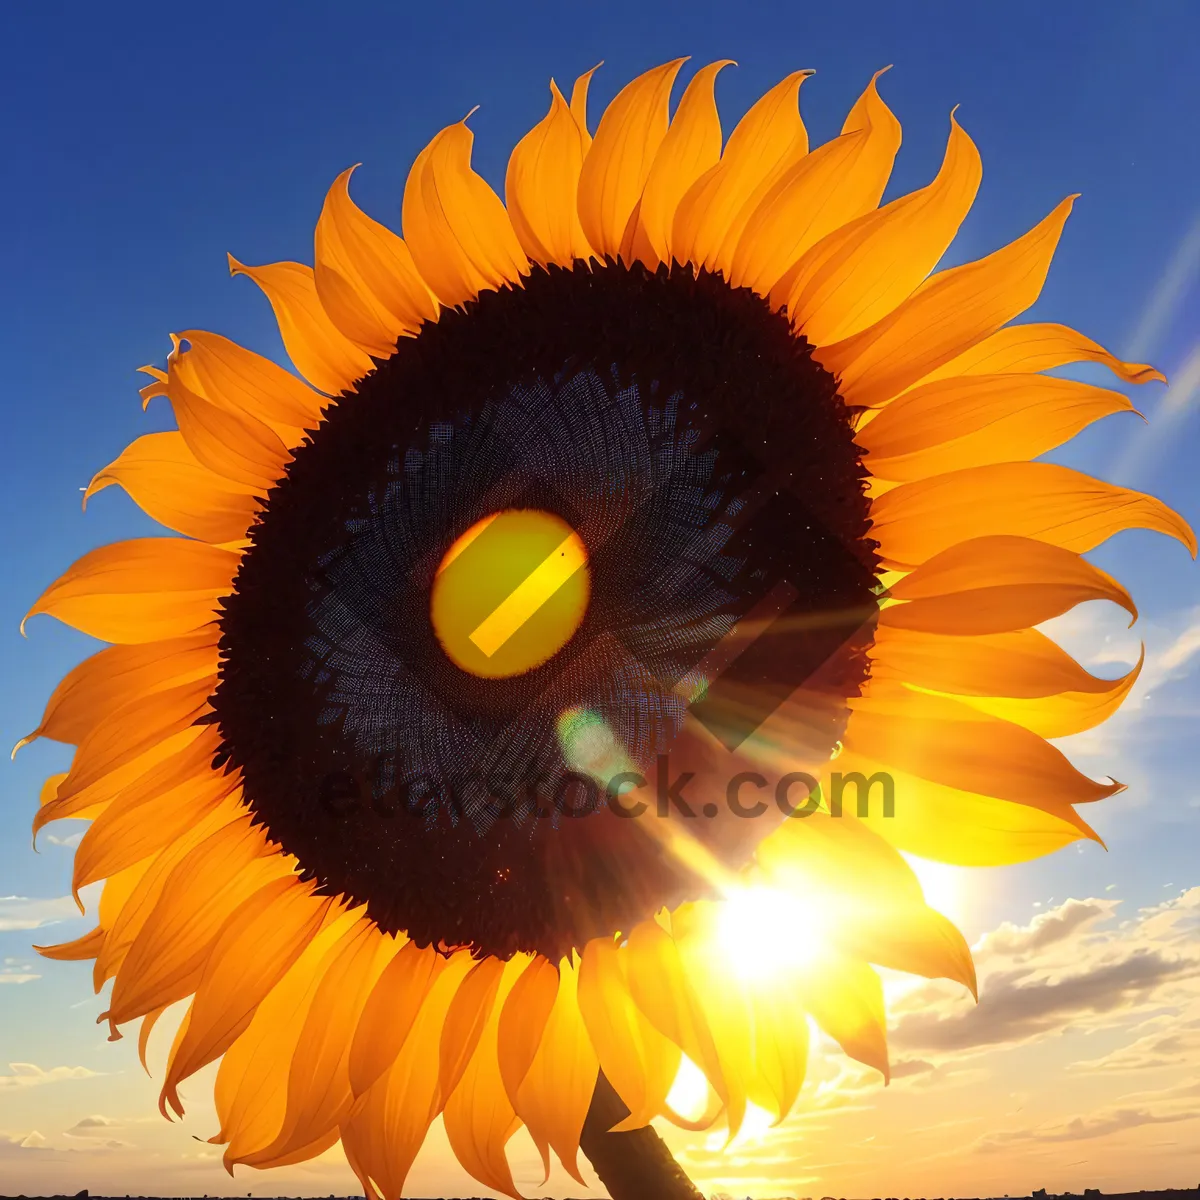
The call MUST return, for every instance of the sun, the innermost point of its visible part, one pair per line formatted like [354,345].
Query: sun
[767,933]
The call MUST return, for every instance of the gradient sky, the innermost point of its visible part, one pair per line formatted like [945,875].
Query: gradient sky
[144,141]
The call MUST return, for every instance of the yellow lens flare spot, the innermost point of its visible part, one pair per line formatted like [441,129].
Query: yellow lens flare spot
[510,593]
[765,931]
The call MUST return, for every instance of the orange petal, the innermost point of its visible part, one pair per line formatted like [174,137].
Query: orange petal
[541,184]
[766,142]
[832,185]
[994,584]
[166,960]
[319,1095]
[140,591]
[460,236]
[252,953]
[235,446]
[232,377]
[637,1060]
[579,98]
[953,744]
[168,483]
[250,1092]
[478,1117]
[466,1020]
[148,773]
[691,147]
[618,162]
[386,1128]
[135,826]
[389,1014]
[555,1090]
[522,1023]
[858,274]
[979,419]
[1023,664]
[366,278]
[128,732]
[946,315]
[1054,504]
[1039,347]
[115,676]
[322,355]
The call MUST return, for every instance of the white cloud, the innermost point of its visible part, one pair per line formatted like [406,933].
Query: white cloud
[1070,968]
[31,1075]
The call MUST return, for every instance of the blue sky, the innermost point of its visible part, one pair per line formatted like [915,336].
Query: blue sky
[143,141]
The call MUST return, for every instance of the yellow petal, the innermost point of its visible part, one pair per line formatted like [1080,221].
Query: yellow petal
[167,482]
[780,1050]
[830,186]
[1054,504]
[556,1089]
[994,584]
[460,236]
[115,676]
[847,1003]
[691,147]
[166,960]
[766,142]
[232,377]
[939,739]
[661,988]
[946,315]
[948,825]
[724,1000]
[140,591]
[974,420]
[541,184]
[478,1117]
[385,1130]
[1039,347]
[252,953]
[391,1011]
[859,273]
[639,1062]
[329,361]
[864,896]
[366,278]
[618,162]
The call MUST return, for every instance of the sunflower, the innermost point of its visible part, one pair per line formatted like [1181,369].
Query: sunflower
[672,491]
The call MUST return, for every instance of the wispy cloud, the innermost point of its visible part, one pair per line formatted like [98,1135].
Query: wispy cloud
[20,912]
[1180,274]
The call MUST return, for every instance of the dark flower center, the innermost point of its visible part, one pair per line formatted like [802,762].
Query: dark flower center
[705,463]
